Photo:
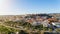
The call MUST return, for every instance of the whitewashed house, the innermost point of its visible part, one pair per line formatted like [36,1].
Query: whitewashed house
[57,24]
[45,23]
[35,23]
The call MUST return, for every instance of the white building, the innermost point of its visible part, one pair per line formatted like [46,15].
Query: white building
[35,23]
[45,23]
[57,24]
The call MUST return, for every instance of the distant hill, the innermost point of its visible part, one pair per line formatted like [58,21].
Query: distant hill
[57,15]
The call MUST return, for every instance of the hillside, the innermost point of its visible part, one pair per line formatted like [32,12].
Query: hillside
[28,23]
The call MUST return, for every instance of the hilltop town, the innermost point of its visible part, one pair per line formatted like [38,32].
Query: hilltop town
[31,21]
[31,17]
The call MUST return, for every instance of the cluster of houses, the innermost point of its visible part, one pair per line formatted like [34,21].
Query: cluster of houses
[43,19]
[34,19]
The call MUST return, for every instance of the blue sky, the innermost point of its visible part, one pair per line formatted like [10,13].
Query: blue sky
[17,7]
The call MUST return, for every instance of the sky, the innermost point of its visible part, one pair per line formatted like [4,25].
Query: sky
[18,7]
